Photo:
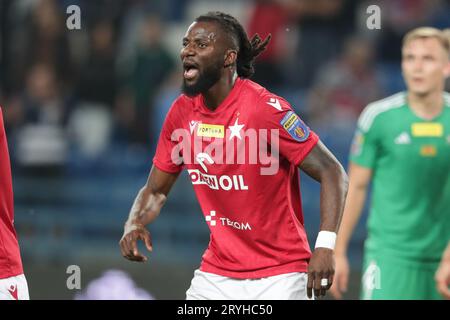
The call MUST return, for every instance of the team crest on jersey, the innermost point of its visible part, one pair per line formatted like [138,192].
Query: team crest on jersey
[357,143]
[428,151]
[295,126]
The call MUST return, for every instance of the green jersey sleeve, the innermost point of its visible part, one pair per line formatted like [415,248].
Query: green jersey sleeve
[365,145]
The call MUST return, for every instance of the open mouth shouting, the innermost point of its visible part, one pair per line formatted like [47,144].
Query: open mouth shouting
[190,70]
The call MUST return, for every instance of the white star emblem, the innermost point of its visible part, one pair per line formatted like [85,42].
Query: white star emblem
[236,130]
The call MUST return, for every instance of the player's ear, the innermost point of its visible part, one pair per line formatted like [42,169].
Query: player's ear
[447,69]
[230,58]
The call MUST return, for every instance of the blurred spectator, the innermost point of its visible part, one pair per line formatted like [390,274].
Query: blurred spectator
[41,38]
[345,86]
[403,15]
[97,81]
[113,285]
[322,26]
[148,69]
[91,122]
[37,119]
[269,17]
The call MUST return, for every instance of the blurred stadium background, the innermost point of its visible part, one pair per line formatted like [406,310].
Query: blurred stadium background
[83,109]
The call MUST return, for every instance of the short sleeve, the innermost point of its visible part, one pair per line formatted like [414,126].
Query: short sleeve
[295,138]
[364,146]
[167,157]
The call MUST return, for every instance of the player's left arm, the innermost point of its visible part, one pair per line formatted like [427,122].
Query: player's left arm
[322,165]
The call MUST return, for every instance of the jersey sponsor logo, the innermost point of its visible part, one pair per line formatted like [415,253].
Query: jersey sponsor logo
[249,147]
[214,182]
[202,157]
[274,103]
[295,127]
[210,130]
[431,129]
[213,221]
[428,151]
[403,138]
[211,218]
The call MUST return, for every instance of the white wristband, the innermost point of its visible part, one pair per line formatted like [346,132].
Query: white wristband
[326,239]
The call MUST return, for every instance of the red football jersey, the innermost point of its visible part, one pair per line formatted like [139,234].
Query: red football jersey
[10,261]
[243,161]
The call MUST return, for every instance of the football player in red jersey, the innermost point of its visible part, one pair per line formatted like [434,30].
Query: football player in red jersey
[13,285]
[242,147]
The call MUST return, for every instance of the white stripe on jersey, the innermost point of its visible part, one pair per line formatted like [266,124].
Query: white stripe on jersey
[375,108]
[447,98]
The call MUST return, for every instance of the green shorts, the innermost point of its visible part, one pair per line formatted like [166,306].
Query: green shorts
[389,278]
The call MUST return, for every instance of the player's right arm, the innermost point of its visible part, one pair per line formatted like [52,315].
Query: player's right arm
[145,209]
[365,150]
[442,275]
[359,180]
[151,198]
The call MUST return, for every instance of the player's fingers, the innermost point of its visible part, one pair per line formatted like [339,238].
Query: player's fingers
[324,281]
[148,241]
[123,251]
[442,287]
[124,246]
[317,286]
[309,284]
[137,258]
[133,245]
[330,281]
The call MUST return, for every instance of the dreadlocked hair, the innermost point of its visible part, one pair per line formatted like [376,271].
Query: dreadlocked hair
[247,49]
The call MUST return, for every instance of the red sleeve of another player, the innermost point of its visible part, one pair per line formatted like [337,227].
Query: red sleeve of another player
[167,157]
[296,139]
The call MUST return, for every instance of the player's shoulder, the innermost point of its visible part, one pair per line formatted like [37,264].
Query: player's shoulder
[181,105]
[182,101]
[262,100]
[252,90]
[380,107]
[447,98]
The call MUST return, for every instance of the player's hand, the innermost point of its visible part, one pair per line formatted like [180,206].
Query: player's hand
[442,278]
[321,266]
[128,244]
[340,277]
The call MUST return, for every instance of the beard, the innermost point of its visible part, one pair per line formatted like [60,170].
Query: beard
[206,79]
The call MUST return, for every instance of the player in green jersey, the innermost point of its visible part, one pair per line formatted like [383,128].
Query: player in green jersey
[402,145]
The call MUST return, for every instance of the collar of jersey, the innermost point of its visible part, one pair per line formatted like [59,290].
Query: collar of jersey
[232,96]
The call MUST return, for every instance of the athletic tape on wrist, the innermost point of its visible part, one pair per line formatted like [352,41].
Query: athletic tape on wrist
[326,239]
